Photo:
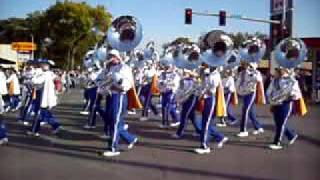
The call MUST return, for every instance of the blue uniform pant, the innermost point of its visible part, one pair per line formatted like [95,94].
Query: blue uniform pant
[118,105]
[207,118]
[281,114]
[14,101]
[3,130]
[146,97]
[95,109]
[249,112]
[168,107]
[188,112]
[26,108]
[229,107]
[42,114]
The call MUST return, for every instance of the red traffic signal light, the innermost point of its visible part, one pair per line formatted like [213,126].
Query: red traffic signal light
[188,16]
[222,18]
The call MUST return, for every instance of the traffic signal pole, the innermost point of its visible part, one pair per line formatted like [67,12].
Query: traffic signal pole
[238,17]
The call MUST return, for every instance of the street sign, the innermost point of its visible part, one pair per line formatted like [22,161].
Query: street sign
[23,46]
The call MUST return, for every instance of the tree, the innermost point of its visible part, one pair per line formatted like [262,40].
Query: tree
[70,24]
[67,24]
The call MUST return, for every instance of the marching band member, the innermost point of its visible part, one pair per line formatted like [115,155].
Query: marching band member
[189,84]
[3,91]
[146,90]
[250,86]
[220,45]
[89,91]
[3,88]
[122,81]
[283,92]
[26,99]
[211,84]
[94,99]
[230,93]
[169,82]
[189,90]
[3,130]
[45,99]
[14,89]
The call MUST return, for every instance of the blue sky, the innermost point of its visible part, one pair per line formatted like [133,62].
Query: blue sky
[163,20]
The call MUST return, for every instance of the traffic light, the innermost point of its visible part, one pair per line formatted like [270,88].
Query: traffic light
[222,18]
[188,16]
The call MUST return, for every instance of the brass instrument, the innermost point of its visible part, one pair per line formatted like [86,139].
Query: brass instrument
[277,96]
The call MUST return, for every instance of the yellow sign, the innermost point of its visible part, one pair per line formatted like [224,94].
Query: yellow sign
[23,46]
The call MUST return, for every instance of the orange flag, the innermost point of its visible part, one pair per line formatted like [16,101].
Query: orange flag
[154,85]
[300,106]
[220,102]
[11,88]
[34,94]
[234,98]
[133,99]
[260,97]
[200,105]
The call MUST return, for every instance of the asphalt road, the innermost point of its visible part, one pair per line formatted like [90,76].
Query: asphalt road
[75,152]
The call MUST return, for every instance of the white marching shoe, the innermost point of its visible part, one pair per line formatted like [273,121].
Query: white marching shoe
[175,124]
[3,141]
[221,143]
[84,112]
[130,146]
[275,146]
[259,131]
[111,153]
[243,134]
[143,118]
[293,140]
[202,150]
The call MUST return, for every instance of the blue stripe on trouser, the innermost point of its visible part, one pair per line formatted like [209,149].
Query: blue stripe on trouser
[249,111]
[42,114]
[24,110]
[146,97]
[92,94]
[281,114]
[14,101]
[207,117]
[188,112]
[229,107]
[87,98]
[3,130]
[117,112]
[96,108]
[168,106]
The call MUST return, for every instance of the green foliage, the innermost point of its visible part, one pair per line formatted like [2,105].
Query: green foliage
[68,24]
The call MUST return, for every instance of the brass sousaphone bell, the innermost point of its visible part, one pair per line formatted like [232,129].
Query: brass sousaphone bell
[125,33]
[217,46]
[290,52]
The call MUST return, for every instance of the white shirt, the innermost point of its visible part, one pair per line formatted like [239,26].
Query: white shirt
[247,80]
[16,86]
[228,84]
[210,83]
[46,79]
[169,81]
[122,77]
[3,84]
[278,84]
